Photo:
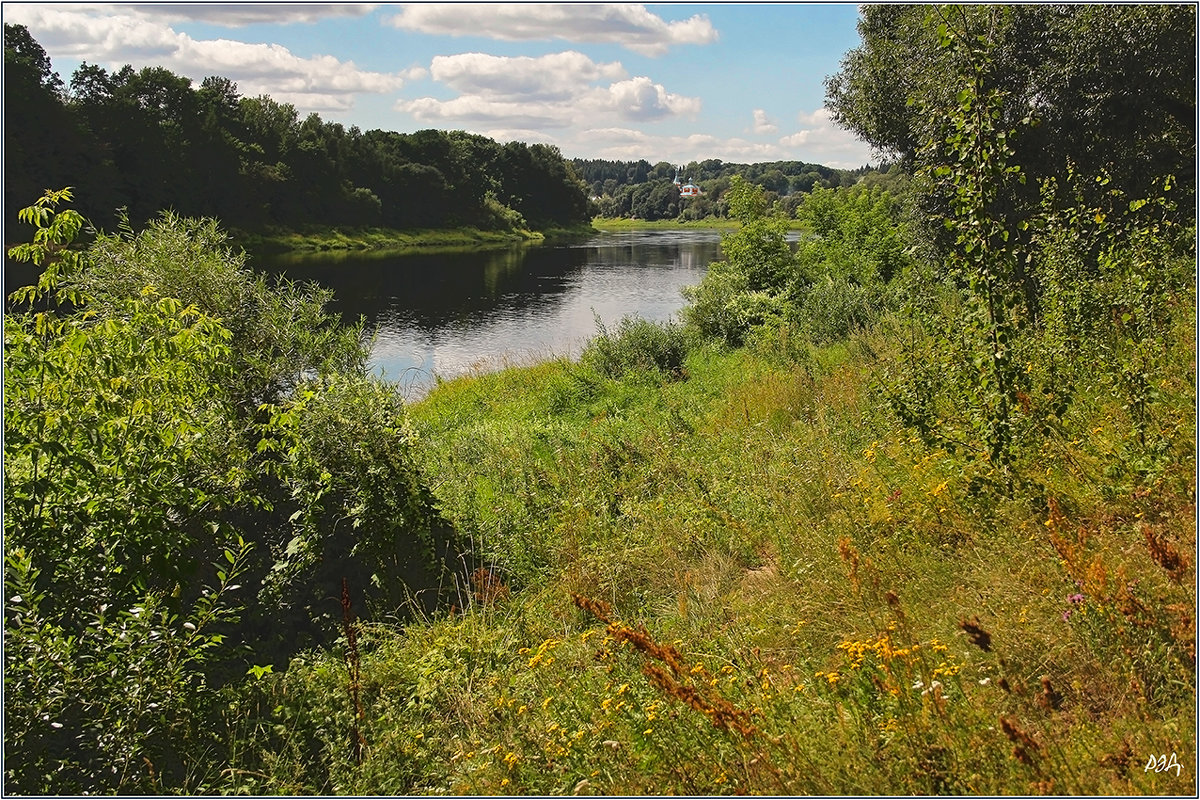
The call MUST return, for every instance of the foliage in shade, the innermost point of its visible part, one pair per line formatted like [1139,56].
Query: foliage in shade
[161,519]
[145,140]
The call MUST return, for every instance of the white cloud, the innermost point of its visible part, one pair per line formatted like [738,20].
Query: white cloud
[631,144]
[558,90]
[833,148]
[99,36]
[641,99]
[763,124]
[473,110]
[552,77]
[526,135]
[820,140]
[631,26]
[237,15]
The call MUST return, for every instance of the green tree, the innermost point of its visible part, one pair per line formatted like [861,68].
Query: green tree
[1111,87]
[193,462]
[119,455]
[42,145]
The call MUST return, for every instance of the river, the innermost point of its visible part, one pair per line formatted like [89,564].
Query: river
[448,314]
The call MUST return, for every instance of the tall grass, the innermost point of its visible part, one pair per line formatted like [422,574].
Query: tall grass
[756,580]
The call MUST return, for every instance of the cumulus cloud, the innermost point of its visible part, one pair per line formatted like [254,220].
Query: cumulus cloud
[99,36]
[821,140]
[641,99]
[631,144]
[631,26]
[832,148]
[237,15]
[551,91]
[762,124]
[552,77]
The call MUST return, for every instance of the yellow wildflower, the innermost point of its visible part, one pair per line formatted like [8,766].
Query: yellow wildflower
[541,656]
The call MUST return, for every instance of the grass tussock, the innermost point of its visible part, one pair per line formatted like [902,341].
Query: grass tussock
[752,579]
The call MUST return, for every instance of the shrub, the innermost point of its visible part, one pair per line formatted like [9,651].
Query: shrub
[119,458]
[343,450]
[637,345]
[141,478]
[281,332]
[834,308]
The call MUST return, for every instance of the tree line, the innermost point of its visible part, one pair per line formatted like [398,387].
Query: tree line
[147,140]
[648,191]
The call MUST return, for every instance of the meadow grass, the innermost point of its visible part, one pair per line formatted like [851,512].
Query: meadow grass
[755,580]
[364,238]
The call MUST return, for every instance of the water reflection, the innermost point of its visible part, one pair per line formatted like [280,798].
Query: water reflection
[449,313]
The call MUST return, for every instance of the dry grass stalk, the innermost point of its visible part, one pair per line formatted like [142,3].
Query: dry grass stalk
[486,588]
[1165,554]
[354,667]
[1050,699]
[979,637]
[849,554]
[1025,747]
[724,715]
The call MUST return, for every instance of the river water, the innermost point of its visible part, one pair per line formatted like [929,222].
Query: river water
[448,314]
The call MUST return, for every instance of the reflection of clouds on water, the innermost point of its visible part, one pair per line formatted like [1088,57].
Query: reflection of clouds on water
[451,316]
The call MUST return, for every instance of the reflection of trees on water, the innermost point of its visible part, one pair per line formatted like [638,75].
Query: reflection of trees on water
[431,290]
[448,311]
[435,288]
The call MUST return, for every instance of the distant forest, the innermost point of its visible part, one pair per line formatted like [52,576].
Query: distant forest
[640,189]
[147,140]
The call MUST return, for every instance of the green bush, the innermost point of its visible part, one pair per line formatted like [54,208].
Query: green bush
[838,280]
[834,308]
[144,483]
[637,345]
[281,332]
[343,451]
[120,458]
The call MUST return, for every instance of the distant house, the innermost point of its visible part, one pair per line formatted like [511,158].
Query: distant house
[688,189]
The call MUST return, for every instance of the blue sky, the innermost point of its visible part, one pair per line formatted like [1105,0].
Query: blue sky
[664,82]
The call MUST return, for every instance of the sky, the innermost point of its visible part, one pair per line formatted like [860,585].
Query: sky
[739,82]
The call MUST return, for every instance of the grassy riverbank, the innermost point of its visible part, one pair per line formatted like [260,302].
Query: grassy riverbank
[709,223]
[626,224]
[756,580]
[796,544]
[795,557]
[377,239]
